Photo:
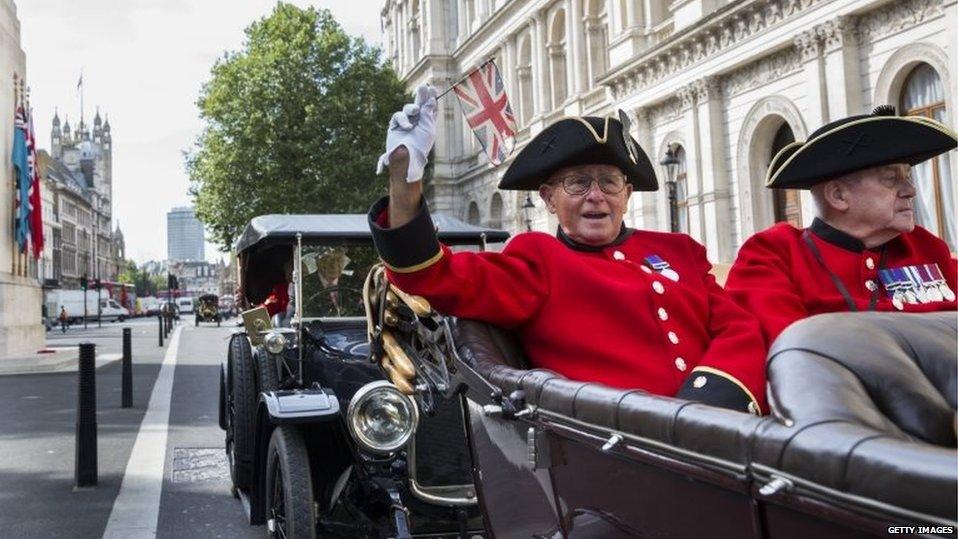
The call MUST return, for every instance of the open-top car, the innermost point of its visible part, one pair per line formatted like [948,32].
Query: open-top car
[208,309]
[319,441]
[861,440]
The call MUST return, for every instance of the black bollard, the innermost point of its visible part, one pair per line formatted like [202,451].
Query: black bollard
[86,467]
[160,327]
[127,375]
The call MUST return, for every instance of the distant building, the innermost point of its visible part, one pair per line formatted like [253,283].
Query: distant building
[198,277]
[184,236]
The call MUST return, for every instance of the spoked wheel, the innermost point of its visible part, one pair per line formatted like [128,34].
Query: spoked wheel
[290,509]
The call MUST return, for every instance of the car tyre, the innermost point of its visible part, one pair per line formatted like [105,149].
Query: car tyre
[242,411]
[268,373]
[290,507]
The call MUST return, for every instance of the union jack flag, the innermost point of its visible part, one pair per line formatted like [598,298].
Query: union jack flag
[483,99]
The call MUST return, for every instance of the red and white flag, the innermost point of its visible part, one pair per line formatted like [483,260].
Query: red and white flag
[36,211]
[483,99]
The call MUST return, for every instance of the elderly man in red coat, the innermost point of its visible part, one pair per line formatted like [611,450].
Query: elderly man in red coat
[598,301]
[863,252]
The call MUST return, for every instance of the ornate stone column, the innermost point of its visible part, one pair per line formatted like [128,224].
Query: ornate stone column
[810,47]
[575,63]
[541,61]
[693,162]
[714,196]
[842,66]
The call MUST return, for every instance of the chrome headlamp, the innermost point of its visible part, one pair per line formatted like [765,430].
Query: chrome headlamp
[380,418]
[274,342]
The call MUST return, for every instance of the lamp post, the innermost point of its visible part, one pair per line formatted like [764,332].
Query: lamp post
[671,165]
[527,208]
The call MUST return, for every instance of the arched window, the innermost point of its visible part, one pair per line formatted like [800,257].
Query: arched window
[787,203]
[495,211]
[473,216]
[597,39]
[557,59]
[924,95]
[524,72]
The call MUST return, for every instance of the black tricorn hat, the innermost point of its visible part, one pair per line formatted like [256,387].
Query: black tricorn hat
[586,140]
[856,143]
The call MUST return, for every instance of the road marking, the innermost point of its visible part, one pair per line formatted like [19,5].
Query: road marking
[137,506]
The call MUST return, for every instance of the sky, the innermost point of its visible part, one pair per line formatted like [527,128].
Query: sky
[143,64]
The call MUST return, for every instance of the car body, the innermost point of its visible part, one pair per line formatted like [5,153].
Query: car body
[861,438]
[298,392]
[207,309]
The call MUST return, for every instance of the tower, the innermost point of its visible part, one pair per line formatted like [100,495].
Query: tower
[56,149]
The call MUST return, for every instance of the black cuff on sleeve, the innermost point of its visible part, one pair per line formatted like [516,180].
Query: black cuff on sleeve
[407,248]
[716,390]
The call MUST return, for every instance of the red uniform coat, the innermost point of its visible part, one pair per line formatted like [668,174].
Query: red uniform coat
[277,300]
[777,277]
[598,314]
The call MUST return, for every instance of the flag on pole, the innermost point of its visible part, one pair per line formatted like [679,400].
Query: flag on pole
[22,177]
[80,82]
[485,104]
[36,211]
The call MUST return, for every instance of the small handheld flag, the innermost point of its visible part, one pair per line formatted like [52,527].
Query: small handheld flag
[483,99]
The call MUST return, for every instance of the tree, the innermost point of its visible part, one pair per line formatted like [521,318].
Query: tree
[295,122]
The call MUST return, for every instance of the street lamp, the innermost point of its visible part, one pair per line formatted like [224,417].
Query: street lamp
[527,208]
[671,165]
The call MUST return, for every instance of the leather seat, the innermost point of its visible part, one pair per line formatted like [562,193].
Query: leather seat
[863,404]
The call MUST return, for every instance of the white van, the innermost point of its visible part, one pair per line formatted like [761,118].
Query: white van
[185,305]
[111,310]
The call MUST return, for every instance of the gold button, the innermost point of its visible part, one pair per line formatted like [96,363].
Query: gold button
[870,263]
[753,408]
[618,255]
[663,314]
[673,338]
[680,365]
[871,285]
[646,269]
[657,286]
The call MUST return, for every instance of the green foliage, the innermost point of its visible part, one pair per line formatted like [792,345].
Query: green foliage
[144,283]
[295,122]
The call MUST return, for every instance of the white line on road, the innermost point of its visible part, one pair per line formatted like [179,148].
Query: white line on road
[137,506]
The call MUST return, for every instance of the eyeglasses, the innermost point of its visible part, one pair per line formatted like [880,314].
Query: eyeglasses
[579,184]
[896,178]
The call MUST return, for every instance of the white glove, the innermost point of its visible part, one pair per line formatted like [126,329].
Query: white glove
[415,128]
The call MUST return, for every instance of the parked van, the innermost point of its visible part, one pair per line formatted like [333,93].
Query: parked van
[185,305]
[111,310]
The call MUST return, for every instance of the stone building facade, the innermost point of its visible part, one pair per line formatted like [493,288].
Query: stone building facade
[77,177]
[723,84]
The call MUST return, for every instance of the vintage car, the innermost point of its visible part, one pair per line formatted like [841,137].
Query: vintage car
[861,440]
[319,442]
[207,309]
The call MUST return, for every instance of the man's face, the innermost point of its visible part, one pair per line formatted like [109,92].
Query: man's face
[589,200]
[881,199]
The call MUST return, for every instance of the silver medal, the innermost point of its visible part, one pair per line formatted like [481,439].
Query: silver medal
[910,297]
[922,295]
[947,293]
[934,294]
[896,301]
[670,273]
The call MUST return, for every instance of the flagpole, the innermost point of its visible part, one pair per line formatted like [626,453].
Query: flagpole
[466,76]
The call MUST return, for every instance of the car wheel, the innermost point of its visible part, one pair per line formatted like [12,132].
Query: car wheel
[242,411]
[268,373]
[290,509]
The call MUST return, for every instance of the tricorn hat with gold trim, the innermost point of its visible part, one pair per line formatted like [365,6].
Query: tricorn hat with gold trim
[856,143]
[586,140]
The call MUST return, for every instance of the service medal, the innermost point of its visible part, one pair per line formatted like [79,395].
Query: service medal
[670,274]
[896,301]
[947,293]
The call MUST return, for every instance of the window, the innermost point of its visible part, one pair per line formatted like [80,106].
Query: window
[495,211]
[681,191]
[787,202]
[923,95]
[473,216]
[69,233]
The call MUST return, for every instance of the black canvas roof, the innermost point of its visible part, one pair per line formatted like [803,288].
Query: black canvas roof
[346,229]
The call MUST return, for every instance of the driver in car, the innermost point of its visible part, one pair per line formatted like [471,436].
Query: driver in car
[863,251]
[598,301]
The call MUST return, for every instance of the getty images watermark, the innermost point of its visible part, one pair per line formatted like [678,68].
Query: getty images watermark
[911,530]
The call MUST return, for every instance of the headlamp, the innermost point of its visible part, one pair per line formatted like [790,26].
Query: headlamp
[380,418]
[274,342]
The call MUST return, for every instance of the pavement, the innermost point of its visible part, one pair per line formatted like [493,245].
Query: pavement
[161,465]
